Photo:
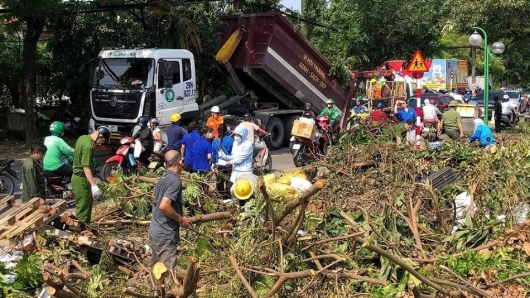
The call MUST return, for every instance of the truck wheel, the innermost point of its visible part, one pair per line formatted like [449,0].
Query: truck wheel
[288,128]
[276,128]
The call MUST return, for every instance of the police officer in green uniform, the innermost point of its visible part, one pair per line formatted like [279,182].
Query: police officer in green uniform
[83,184]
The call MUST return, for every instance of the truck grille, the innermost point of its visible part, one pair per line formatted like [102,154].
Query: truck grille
[124,106]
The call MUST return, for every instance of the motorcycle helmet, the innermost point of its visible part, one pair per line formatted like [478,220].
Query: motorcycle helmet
[57,128]
[380,105]
[247,117]
[308,107]
[105,132]
[175,117]
[506,97]
[243,189]
[432,101]
[330,101]
[155,122]
[142,121]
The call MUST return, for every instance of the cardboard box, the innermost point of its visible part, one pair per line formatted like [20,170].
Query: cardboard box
[303,129]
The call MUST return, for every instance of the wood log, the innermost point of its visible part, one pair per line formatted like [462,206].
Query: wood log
[148,179]
[70,287]
[214,216]
[49,281]
[191,279]
[107,213]
[122,222]
[61,293]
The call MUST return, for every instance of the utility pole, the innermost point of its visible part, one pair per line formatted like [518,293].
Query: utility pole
[473,64]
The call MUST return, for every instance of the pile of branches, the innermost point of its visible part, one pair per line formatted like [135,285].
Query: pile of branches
[374,225]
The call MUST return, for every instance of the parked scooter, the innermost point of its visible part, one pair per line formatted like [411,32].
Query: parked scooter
[267,158]
[123,161]
[7,184]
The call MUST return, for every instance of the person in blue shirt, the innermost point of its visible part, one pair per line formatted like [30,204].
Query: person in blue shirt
[404,113]
[482,134]
[222,143]
[187,146]
[202,152]
[175,133]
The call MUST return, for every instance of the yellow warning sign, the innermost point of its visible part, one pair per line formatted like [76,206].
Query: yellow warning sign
[417,63]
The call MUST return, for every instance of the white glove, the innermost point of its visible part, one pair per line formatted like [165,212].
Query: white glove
[95,191]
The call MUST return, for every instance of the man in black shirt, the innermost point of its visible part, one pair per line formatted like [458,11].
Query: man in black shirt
[498,114]
[145,136]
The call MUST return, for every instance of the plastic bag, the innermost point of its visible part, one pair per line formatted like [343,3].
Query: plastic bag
[280,190]
[286,178]
[300,184]
[138,148]
[269,179]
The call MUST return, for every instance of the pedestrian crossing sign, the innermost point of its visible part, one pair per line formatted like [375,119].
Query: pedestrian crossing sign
[417,63]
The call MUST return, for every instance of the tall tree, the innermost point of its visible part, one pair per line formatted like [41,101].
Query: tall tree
[33,15]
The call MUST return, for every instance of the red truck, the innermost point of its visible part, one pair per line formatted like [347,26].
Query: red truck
[274,71]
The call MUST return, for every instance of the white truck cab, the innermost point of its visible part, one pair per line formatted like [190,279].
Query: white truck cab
[129,83]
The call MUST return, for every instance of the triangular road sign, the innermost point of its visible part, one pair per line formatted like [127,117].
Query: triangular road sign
[417,63]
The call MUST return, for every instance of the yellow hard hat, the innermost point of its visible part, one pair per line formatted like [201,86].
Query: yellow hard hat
[243,189]
[175,117]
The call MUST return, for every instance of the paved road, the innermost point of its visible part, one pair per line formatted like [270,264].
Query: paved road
[281,161]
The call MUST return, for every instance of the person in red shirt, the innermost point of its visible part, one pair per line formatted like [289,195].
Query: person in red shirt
[378,114]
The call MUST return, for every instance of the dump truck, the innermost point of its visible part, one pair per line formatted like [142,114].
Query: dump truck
[274,71]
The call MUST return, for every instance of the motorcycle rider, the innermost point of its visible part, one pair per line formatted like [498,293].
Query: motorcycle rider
[256,144]
[332,112]
[56,149]
[467,96]
[378,114]
[508,108]
[359,108]
[430,111]
[482,133]
[308,112]
[145,136]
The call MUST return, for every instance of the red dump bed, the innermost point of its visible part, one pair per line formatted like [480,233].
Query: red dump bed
[273,58]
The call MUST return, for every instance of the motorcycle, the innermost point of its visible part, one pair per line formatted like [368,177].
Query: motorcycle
[331,132]
[430,131]
[125,162]
[267,158]
[58,187]
[306,150]
[507,123]
[7,184]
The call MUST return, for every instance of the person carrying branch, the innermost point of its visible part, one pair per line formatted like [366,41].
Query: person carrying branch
[168,213]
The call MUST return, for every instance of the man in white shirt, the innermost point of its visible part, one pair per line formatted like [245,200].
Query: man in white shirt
[251,127]
[430,111]
[507,107]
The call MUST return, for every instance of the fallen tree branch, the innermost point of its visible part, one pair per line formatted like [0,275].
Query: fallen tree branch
[270,208]
[474,289]
[148,179]
[104,214]
[315,188]
[334,239]
[192,277]
[508,279]
[242,278]
[70,287]
[391,257]
[61,293]
[214,216]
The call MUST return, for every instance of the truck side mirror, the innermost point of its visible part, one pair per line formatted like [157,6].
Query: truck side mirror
[168,74]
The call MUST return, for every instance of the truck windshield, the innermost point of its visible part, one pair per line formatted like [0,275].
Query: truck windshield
[124,72]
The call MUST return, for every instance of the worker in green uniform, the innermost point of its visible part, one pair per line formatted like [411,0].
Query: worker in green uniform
[33,185]
[83,184]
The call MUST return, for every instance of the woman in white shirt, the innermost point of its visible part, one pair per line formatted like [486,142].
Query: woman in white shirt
[157,135]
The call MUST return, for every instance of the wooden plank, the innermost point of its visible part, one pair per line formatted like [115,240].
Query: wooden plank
[15,226]
[33,204]
[13,218]
[16,230]
[9,203]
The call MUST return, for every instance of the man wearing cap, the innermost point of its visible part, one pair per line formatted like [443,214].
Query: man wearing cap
[244,188]
[452,122]
[214,121]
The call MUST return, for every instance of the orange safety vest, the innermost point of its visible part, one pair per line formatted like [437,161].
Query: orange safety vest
[214,125]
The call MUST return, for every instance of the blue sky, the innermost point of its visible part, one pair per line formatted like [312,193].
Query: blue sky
[293,4]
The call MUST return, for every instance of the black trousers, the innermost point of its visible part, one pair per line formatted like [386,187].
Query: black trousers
[222,186]
[497,124]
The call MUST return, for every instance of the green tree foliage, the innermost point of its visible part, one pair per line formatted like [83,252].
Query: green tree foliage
[504,20]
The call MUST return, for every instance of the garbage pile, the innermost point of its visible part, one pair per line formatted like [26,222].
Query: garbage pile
[374,218]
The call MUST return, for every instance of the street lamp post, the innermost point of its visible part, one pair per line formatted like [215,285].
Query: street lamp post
[497,48]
